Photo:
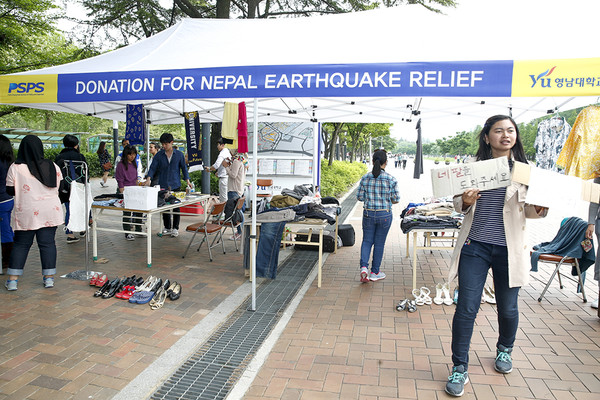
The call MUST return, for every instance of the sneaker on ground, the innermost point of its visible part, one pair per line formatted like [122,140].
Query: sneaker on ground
[503,362]
[376,277]
[102,184]
[10,285]
[82,234]
[457,381]
[48,282]
[594,304]
[165,232]
[364,274]
[174,233]
[235,236]
[72,239]
[130,236]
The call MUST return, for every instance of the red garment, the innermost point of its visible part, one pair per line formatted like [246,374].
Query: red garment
[242,128]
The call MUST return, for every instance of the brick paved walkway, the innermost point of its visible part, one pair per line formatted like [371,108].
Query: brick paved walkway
[344,341]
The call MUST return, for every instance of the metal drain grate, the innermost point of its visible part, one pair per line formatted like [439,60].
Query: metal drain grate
[215,368]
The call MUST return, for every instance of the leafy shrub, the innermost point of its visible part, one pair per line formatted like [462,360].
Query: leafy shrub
[196,179]
[337,178]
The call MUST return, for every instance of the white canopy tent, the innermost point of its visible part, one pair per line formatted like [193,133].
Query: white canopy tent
[381,65]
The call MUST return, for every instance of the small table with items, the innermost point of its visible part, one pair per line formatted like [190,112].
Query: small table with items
[99,213]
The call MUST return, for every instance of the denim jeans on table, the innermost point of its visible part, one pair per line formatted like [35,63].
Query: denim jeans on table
[267,251]
[22,244]
[476,258]
[375,226]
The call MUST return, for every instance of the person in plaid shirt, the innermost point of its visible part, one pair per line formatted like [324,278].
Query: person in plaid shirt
[378,190]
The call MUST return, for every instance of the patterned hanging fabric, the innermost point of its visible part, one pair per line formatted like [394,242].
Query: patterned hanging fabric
[549,141]
[580,155]
[135,131]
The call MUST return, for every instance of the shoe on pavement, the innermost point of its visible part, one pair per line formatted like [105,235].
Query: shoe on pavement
[72,239]
[364,274]
[10,285]
[165,232]
[457,381]
[503,363]
[102,184]
[48,282]
[594,304]
[376,277]
[174,233]
[130,236]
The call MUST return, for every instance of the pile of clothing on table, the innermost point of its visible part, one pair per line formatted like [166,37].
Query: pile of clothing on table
[435,214]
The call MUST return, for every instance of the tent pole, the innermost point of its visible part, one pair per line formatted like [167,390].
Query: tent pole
[115,140]
[253,228]
[147,147]
[316,156]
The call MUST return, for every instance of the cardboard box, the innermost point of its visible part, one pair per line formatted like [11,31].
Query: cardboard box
[140,197]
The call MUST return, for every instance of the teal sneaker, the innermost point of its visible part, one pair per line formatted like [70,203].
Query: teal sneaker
[503,362]
[457,381]
[376,277]
[11,285]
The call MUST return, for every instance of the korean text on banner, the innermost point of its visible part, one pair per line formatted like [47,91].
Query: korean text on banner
[193,136]
[483,175]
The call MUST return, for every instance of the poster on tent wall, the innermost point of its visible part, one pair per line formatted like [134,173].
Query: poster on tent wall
[283,146]
[135,131]
[193,137]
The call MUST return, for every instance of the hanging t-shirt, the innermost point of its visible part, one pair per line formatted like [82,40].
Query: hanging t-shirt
[551,136]
[230,124]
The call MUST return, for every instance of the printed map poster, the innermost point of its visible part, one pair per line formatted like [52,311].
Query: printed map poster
[483,175]
[283,139]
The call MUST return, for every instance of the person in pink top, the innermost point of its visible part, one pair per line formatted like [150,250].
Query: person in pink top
[34,181]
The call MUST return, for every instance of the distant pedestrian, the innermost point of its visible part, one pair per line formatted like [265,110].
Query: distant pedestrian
[105,164]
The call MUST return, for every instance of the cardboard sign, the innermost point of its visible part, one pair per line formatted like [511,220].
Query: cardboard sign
[551,189]
[483,175]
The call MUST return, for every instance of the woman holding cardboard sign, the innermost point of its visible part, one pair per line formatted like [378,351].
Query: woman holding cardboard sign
[126,175]
[492,235]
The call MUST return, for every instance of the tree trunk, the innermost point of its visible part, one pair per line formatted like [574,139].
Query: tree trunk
[223,7]
[47,120]
[253,8]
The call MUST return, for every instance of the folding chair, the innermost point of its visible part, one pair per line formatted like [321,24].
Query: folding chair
[209,228]
[264,188]
[228,223]
[558,261]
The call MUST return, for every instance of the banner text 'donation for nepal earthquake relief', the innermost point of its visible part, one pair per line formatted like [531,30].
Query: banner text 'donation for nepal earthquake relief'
[577,77]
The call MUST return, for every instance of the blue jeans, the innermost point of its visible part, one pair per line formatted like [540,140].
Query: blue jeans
[267,251]
[375,225]
[476,258]
[6,231]
[23,242]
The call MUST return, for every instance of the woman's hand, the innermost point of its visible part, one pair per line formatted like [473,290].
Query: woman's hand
[469,197]
[589,232]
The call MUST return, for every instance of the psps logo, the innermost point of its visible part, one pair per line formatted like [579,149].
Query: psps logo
[542,78]
[26,87]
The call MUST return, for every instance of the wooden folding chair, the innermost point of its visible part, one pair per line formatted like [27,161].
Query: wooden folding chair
[209,228]
[228,223]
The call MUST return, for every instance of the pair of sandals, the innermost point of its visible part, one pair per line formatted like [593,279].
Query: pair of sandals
[159,298]
[422,296]
[407,304]
[442,294]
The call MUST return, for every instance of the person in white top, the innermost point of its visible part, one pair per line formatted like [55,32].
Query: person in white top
[221,172]
[34,182]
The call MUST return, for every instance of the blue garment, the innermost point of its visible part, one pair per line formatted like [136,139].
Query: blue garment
[375,225]
[235,195]
[168,172]
[567,242]
[3,171]
[475,261]
[24,240]
[6,232]
[267,251]
[378,193]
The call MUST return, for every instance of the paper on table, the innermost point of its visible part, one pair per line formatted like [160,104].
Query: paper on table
[549,189]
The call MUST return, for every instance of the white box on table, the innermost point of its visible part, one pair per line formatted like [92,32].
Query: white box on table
[140,197]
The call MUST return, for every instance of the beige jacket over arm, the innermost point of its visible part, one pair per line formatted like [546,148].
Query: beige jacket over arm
[514,212]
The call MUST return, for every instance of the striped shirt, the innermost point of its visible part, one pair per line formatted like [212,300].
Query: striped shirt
[488,221]
[378,193]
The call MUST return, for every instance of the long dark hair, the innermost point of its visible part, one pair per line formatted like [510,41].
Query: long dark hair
[101,148]
[127,150]
[31,152]
[7,155]
[485,150]
[379,158]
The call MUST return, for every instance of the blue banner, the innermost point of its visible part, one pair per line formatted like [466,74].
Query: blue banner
[193,136]
[476,78]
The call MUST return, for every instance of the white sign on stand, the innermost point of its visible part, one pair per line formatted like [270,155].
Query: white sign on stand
[483,175]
